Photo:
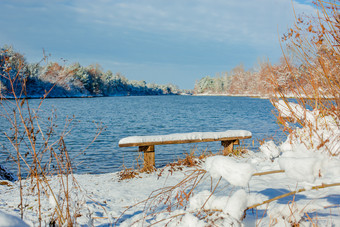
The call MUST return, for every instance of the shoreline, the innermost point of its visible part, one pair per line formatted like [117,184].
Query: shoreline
[257,96]
[236,95]
[179,94]
[81,96]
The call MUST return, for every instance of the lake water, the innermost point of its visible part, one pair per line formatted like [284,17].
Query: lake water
[151,115]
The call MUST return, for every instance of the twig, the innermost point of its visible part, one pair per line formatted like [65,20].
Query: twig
[268,172]
[292,193]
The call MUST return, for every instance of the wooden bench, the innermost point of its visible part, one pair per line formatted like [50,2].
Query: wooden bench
[147,144]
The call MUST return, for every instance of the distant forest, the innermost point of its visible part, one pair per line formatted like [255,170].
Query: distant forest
[34,80]
[290,77]
[241,82]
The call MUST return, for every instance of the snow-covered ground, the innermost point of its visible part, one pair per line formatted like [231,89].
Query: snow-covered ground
[103,198]
[216,192]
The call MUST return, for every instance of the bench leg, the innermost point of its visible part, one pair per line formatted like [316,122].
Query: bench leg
[228,146]
[149,156]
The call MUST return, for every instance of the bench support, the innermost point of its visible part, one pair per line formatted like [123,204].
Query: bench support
[146,144]
[149,156]
[228,146]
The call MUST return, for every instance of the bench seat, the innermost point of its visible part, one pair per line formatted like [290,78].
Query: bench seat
[147,143]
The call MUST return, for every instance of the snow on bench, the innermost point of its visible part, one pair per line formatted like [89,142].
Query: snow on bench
[147,143]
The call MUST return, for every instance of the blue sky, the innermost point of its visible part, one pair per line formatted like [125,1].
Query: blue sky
[161,41]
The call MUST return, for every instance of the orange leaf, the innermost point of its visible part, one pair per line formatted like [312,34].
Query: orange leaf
[310,28]
[319,42]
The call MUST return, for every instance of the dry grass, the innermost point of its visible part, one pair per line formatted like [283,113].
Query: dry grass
[314,79]
[6,183]
[192,159]
[38,149]
[127,174]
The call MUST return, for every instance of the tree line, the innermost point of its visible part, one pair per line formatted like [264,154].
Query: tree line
[35,80]
[243,82]
[291,77]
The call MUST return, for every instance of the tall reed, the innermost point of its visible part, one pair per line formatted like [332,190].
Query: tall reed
[37,147]
[310,71]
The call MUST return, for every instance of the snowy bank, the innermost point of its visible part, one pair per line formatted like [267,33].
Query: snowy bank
[104,199]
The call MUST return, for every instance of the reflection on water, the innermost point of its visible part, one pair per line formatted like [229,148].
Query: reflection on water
[150,115]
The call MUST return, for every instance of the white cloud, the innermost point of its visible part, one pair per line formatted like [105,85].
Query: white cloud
[233,21]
